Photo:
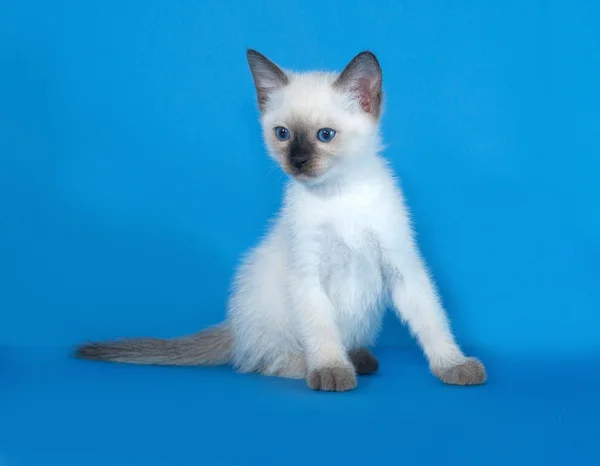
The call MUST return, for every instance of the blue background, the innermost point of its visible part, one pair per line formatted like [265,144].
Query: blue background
[132,178]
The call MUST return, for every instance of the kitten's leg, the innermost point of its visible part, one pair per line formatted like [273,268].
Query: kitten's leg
[292,366]
[328,365]
[364,361]
[417,303]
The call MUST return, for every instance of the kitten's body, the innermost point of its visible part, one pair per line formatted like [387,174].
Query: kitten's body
[310,297]
[335,238]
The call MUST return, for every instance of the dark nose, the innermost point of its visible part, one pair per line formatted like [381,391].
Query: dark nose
[298,160]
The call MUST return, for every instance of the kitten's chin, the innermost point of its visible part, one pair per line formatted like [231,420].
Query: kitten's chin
[308,179]
[305,177]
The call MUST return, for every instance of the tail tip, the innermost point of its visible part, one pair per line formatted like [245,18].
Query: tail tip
[90,351]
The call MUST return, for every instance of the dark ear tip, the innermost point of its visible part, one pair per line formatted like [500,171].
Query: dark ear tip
[254,56]
[367,55]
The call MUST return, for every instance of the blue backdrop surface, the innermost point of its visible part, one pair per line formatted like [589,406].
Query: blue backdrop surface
[133,177]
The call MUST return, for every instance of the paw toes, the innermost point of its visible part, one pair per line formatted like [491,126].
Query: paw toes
[470,372]
[338,379]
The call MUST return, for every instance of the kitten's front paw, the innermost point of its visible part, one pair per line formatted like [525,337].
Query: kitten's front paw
[332,379]
[469,372]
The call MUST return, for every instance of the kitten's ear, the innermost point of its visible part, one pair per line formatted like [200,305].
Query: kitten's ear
[363,78]
[268,77]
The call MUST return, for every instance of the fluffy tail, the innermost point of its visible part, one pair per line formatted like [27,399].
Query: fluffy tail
[210,347]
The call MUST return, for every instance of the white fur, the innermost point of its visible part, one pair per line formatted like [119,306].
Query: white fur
[339,251]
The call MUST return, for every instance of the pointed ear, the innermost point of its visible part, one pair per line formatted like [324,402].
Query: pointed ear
[268,77]
[363,78]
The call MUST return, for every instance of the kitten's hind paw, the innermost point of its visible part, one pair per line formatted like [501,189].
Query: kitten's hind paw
[332,379]
[469,372]
[364,361]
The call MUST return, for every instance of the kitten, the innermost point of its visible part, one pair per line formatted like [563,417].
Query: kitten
[309,299]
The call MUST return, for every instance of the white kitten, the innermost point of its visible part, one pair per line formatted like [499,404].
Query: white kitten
[309,299]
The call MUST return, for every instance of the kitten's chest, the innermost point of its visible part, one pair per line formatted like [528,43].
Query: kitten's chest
[354,220]
[347,242]
[347,235]
[350,266]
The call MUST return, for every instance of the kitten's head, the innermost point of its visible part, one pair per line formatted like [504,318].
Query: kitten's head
[314,123]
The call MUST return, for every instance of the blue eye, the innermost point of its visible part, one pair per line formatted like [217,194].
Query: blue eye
[283,134]
[325,134]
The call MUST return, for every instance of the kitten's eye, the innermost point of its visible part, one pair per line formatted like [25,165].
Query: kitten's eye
[325,134]
[283,134]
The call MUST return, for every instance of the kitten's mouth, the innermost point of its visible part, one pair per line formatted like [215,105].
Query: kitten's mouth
[306,172]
